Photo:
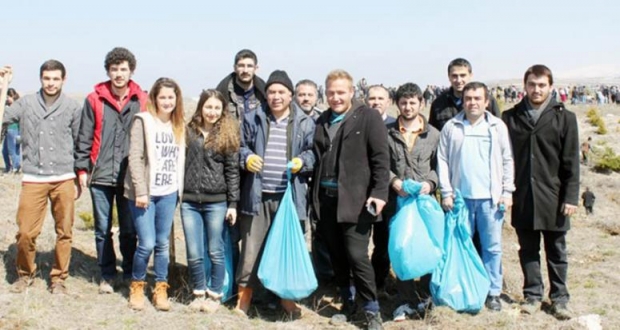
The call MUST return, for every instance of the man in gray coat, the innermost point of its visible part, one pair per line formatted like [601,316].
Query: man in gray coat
[49,122]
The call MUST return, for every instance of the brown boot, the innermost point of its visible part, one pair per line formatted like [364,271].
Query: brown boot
[243,301]
[291,309]
[160,296]
[136,295]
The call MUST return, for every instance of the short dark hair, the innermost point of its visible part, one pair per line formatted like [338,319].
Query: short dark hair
[306,82]
[408,90]
[53,65]
[119,55]
[245,53]
[459,62]
[474,85]
[539,70]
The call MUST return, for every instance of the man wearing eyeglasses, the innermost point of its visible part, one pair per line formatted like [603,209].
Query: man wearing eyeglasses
[242,88]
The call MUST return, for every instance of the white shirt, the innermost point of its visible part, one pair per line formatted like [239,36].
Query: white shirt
[164,180]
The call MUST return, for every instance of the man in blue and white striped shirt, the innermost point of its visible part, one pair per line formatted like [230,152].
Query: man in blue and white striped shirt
[271,137]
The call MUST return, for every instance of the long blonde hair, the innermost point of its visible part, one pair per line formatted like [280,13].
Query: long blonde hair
[224,137]
[177,118]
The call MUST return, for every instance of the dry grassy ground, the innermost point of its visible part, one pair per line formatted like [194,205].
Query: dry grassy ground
[594,276]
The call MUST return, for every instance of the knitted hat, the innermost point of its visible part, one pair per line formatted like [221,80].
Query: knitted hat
[280,77]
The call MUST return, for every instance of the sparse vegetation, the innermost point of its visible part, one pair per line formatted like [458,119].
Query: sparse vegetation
[607,161]
[89,220]
[595,119]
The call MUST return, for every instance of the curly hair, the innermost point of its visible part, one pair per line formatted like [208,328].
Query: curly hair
[119,55]
[224,137]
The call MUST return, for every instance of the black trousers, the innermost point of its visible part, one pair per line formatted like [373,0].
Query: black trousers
[380,256]
[348,248]
[557,264]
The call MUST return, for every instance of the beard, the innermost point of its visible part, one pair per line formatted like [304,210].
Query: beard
[52,95]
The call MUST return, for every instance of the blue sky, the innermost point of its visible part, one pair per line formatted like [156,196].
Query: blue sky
[387,41]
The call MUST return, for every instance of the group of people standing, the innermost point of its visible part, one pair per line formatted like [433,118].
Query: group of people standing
[227,167]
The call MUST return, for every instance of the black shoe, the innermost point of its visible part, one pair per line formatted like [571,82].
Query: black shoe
[560,311]
[493,303]
[374,321]
[349,308]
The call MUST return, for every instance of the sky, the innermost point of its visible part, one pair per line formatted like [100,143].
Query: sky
[388,42]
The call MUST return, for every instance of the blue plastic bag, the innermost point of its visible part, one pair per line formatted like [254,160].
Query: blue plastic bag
[460,281]
[416,234]
[229,275]
[285,267]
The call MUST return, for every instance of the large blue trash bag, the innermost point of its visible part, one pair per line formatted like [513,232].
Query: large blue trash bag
[285,267]
[416,234]
[229,275]
[460,281]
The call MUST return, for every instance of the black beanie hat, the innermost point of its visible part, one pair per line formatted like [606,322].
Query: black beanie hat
[280,77]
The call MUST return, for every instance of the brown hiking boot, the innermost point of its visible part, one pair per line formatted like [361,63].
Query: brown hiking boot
[22,284]
[160,296]
[58,287]
[136,295]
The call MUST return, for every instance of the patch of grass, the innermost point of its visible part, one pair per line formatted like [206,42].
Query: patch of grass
[89,220]
[595,119]
[600,311]
[589,284]
[607,162]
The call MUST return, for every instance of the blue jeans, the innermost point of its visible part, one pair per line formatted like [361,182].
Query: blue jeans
[204,225]
[153,226]
[103,198]
[487,220]
[11,151]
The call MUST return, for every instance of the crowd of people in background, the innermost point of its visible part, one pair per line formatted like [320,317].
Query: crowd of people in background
[227,168]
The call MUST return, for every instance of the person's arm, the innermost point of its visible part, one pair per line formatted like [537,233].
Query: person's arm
[6,75]
[569,161]
[443,167]
[307,155]
[137,159]
[85,136]
[231,174]
[379,156]
[245,151]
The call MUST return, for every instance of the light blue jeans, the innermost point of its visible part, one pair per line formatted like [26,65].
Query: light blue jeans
[487,219]
[204,225]
[153,226]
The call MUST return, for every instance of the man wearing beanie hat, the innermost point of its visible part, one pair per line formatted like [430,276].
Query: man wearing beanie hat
[271,136]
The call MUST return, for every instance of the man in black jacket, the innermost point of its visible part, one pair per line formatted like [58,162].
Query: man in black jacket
[350,189]
[545,143]
[450,102]
[242,88]
[588,200]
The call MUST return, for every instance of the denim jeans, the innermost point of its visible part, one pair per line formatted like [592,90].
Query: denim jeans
[11,151]
[153,226]
[103,198]
[487,220]
[204,225]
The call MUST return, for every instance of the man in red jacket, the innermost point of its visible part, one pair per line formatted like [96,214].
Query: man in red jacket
[101,159]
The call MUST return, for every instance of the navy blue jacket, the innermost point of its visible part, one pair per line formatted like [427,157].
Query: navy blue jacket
[254,132]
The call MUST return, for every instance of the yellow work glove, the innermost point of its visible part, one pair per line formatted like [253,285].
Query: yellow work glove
[297,164]
[254,163]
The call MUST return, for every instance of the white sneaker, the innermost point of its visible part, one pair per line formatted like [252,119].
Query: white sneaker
[197,304]
[106,286]
[400,314]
